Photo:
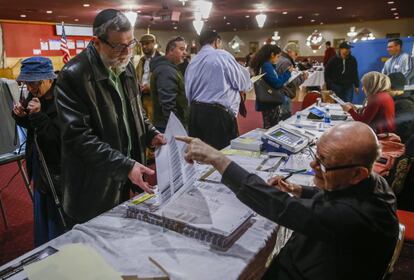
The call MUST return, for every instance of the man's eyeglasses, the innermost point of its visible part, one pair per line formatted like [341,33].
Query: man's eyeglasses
[325,169]
[118,48]
[34,84]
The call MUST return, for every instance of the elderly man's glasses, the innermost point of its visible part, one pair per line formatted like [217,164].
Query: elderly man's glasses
[325,169]
[118,48]
[36,84]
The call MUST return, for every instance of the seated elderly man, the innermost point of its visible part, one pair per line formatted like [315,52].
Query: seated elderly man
[346,228]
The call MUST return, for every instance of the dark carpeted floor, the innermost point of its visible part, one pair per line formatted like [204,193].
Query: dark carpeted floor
[18,238]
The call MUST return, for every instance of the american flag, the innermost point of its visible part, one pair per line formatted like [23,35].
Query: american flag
[64,46]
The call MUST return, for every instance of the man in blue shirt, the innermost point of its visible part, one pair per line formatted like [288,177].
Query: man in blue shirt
[213,82]
[399,61]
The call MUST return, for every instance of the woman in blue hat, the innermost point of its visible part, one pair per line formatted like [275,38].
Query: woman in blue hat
[38,115]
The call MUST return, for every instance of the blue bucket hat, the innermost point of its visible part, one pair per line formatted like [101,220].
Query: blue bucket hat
[35,69]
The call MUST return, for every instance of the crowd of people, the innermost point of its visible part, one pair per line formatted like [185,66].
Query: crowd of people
[95,121]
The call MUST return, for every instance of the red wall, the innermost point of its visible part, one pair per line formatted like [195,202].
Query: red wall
[21,38]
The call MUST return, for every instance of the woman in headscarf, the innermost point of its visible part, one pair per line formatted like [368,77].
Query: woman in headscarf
[379,112]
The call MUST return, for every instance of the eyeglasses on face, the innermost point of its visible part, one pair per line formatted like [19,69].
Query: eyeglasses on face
[35,84]
[118,48]
[325,169]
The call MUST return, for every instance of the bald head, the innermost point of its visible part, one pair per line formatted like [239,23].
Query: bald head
[351,143]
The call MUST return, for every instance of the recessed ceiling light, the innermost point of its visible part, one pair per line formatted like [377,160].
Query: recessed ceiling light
[390,2]
[395,14]
[175,27]
[49,12]
[339,8]
[316,14]
[228,23]
[224,17]
[247,16]
[312,20]
[86,5]
[321,23]
[300,17]
[393,9]
[138,11]
[22,16]
[397,17]
[76,19]
[285,13]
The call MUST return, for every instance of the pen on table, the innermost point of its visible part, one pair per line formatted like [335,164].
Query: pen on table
[292,173]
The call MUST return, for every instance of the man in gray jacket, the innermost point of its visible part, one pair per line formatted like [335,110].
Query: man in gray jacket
[167,85]
[286,61]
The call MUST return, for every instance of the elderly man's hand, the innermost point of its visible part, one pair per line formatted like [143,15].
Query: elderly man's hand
[18,110]
[158,140]
[136,174]
[278,182]
[201,152]
[34,106]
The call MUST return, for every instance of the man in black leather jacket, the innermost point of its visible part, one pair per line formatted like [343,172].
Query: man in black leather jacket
[346,228]
[104,128]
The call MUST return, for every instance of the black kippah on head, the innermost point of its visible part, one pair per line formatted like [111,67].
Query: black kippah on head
[104,16]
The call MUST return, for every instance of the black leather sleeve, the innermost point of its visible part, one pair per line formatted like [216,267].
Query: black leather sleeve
[77,131]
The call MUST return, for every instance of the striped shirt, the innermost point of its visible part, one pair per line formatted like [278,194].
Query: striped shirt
[214,76]
[400,63]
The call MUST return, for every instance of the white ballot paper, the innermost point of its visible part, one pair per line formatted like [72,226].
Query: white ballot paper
[207,212]
[173,172]
[256,78]
[293,76]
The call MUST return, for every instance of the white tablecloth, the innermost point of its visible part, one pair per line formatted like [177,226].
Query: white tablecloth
[315,79]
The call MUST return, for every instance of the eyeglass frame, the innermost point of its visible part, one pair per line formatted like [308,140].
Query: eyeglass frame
[131,44]
[325,169]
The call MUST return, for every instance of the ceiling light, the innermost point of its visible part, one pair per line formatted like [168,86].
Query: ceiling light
[276,36]
[393,9]
[175,27]
[339,8]
[300,17]
[247,16]
[76,19]
[352,32]
[49,12]
[204,7]
[183,2]
[315,41]
[261,18]
[132,17]
[86,5]
[139,11]
[198,25]
[285,13]
[224,17]
[390,2]
[236,43]
[364,35]
[395,14]
[22,16]
[312,20]
[397,17]
[321,23]
[228,23]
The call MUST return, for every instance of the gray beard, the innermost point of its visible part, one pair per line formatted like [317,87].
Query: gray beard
[115,64]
